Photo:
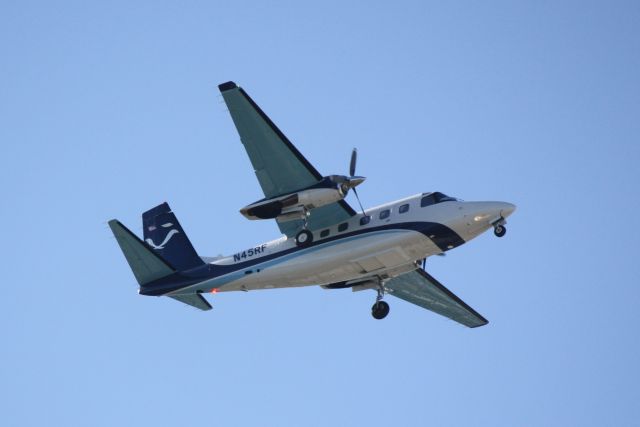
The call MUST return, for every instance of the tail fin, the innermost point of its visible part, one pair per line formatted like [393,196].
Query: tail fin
[163,233]
[145,264]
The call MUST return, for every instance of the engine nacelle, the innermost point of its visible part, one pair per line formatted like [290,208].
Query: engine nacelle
[317,197]
[292,206]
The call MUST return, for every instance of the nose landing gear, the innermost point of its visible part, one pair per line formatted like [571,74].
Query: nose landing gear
[499,230]
[380,309]
[498,227]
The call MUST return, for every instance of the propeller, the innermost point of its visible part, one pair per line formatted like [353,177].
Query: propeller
[346,183]
[352,164]
[353,180]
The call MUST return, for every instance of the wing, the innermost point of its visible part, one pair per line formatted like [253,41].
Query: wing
[419,288]
[279,166]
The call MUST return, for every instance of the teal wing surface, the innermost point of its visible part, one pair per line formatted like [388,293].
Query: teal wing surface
[279,166]
[420,288]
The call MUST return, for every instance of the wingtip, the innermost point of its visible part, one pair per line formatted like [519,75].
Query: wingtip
[227,86]
[486,322]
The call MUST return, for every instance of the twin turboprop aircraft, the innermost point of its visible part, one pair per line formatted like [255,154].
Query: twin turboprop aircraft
[325,242]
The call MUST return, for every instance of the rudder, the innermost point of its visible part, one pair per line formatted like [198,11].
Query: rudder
[164,234]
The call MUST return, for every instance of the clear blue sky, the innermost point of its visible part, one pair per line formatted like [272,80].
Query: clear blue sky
[107,109]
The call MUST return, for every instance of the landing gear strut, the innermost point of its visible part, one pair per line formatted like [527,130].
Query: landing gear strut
[380,309]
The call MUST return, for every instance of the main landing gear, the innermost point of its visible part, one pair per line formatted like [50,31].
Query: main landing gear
[304,237]
[380,309]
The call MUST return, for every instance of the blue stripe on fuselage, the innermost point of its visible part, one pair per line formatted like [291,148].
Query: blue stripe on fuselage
[441,235]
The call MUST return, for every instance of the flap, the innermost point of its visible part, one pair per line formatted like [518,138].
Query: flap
[195,300]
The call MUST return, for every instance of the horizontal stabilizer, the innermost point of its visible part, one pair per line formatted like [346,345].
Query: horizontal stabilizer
[145,264]
[420,288]
[195,300]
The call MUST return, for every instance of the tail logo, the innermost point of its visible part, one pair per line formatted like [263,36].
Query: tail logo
[164,242]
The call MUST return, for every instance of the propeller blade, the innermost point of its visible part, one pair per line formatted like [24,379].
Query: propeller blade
[352,165]
[358,197]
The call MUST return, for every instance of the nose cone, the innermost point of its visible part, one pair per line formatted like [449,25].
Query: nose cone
[506,209]
[356,180]
[478,217]
[488,212]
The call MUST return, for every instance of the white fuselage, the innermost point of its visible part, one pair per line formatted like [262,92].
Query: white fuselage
[384,247]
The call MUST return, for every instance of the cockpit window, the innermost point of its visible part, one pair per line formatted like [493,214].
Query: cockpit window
[440,197]
[427,200]
[437,197]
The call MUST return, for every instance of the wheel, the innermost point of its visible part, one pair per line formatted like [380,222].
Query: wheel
[380,310]
[500,230]
[304,238]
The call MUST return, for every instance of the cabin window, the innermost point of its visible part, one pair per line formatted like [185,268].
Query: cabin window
[404,208]
[385,214]
[365,220]
[324,233]
[427,200]
[343,226]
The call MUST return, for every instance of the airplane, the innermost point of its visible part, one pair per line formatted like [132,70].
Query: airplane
[325,241]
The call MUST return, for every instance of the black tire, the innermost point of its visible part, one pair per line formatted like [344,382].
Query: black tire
[500,230]
[304,238]
[380,310]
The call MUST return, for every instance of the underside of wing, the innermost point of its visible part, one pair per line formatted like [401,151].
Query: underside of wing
[279,166]
[420,288]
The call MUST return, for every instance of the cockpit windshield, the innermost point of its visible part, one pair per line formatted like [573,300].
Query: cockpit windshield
[436,197]
[440,197]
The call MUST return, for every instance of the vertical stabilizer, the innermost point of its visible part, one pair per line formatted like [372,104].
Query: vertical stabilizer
[164,234]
